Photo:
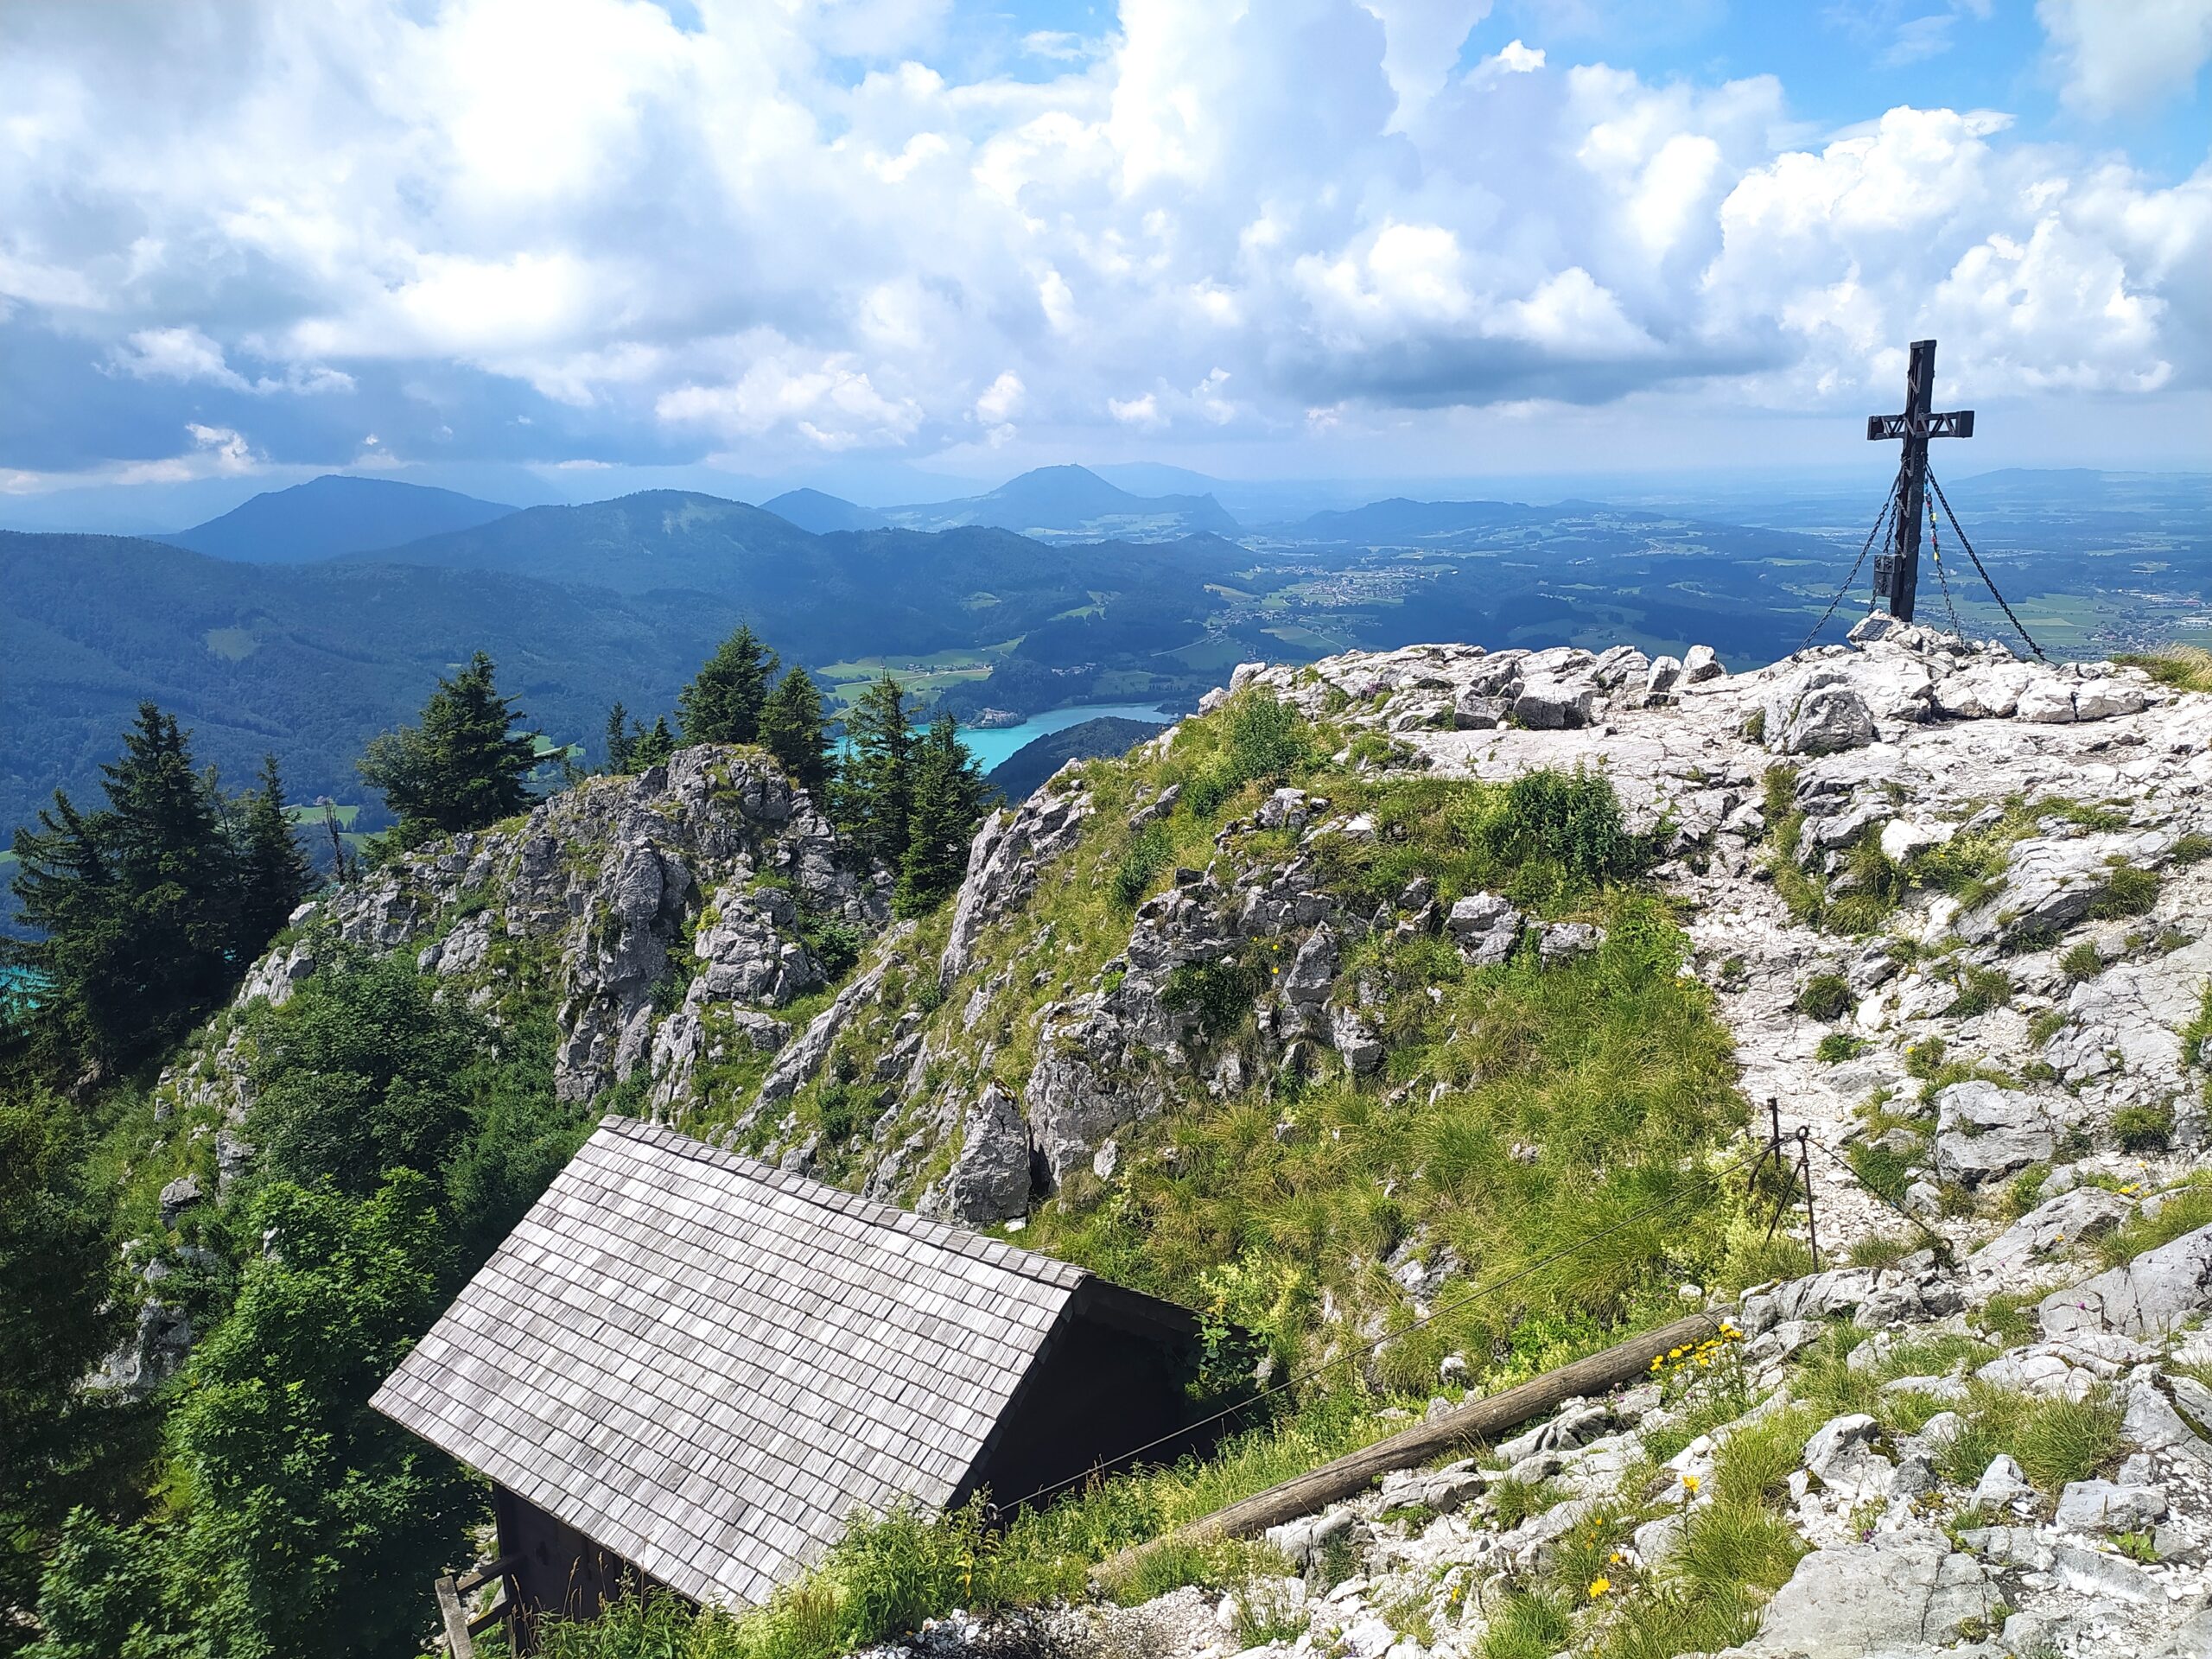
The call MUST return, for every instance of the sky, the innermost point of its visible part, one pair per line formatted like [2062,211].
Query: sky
[879,243]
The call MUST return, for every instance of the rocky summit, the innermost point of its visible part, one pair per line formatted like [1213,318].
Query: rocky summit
[1386,972]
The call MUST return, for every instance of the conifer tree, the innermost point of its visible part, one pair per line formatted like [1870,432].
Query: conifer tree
[873,793]
[462,768]
[791,730]
[622,734]
[136,907]
[273,873]
[652,748]
[723,701]
[948,796]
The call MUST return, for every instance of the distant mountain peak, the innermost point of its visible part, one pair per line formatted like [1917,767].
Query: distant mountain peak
[333,515]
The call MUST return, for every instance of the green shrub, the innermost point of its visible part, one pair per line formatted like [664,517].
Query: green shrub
[2182,1211]
[1924,1059]
[1570,820]
[1220,994]
[2192,848]
[1149,854]
[2130,890]
[2143,1128]
[2046,1025]
[1838,1046]
[1980,989]
[1825,996]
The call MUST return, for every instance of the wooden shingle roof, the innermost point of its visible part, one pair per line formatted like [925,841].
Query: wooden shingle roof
[704,1364]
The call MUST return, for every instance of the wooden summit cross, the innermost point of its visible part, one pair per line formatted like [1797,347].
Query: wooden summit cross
[1897,573]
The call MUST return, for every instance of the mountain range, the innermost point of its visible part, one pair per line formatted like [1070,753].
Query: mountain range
[332,515]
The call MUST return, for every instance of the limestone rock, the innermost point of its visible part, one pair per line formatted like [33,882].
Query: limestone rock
[1486,927]
[1004,863]
[1555,702]
[1983,1133]
[2152,1295]
[1700,665]
[1904,1588]
[989,1181]
[2102,1506]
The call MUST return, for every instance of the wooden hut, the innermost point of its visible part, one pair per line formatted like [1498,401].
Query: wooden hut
[689,1367]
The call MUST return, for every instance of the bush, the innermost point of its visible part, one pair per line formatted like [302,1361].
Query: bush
[1924,1059]
[2129,891]
[2081,961]
[1149,854]
[1825,996]
[1980,989]
[1838,1045]
[1219,993]
[2192,848]
[1569,820]
[2143,1128]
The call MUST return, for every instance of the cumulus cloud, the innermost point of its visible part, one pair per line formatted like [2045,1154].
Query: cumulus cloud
[572,228]
[2113,58]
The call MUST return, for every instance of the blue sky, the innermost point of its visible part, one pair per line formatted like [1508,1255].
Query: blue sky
[594,243]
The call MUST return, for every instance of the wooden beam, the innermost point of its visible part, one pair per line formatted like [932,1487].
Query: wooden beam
[459,1643]
[491,1616]
[479,1576]
[1478,1422]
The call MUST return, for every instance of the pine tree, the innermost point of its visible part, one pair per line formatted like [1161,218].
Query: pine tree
[273,873]
[652,748]
[948,793]
[873,794]
[462,768]
[135,907]
[722,703]
[622,734]
[791,730]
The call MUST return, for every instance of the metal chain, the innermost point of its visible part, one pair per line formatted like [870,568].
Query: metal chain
[1989,580]
[1936,551]
[1889,506]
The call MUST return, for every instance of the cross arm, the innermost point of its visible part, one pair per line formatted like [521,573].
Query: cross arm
[1956,423]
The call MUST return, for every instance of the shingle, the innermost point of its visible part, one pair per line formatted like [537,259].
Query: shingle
[675,1334]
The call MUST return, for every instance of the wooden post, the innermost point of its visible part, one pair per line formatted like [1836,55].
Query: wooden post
[459,1643]
[1477,1423]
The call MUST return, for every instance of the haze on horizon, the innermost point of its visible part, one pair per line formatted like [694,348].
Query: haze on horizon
[869,244]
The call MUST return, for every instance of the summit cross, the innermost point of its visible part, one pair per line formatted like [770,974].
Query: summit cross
[1897,573]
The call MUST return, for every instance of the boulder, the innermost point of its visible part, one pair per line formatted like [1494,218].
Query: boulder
[1485,926]
[1564,941]
[2001,1483]
[2102,1506]
[1983,1133]
[1700,664]
[2046,701]
[2150,1296]
[1903,1589]
[179,1196]
[989,1181]
[1827,720]
[1552,703]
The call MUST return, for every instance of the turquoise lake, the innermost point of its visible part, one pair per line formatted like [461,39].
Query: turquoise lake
[992,745]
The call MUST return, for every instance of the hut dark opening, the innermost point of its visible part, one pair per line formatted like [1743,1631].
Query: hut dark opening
[688,1368]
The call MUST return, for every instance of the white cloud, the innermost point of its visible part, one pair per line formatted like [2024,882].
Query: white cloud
[2119,56]
[1263,222]
[1000,400]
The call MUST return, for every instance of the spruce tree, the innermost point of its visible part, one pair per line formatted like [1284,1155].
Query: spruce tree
[622,734]
[873,795]
[136,907]
[652,748]
[722,703]
[273,873]
[948,796]
[791,730]
[462,768]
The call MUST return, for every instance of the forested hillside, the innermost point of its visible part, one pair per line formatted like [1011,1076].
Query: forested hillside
[1403,1014]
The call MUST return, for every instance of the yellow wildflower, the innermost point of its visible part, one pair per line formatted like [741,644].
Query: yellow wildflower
[1690,1484]
[1599,1587]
